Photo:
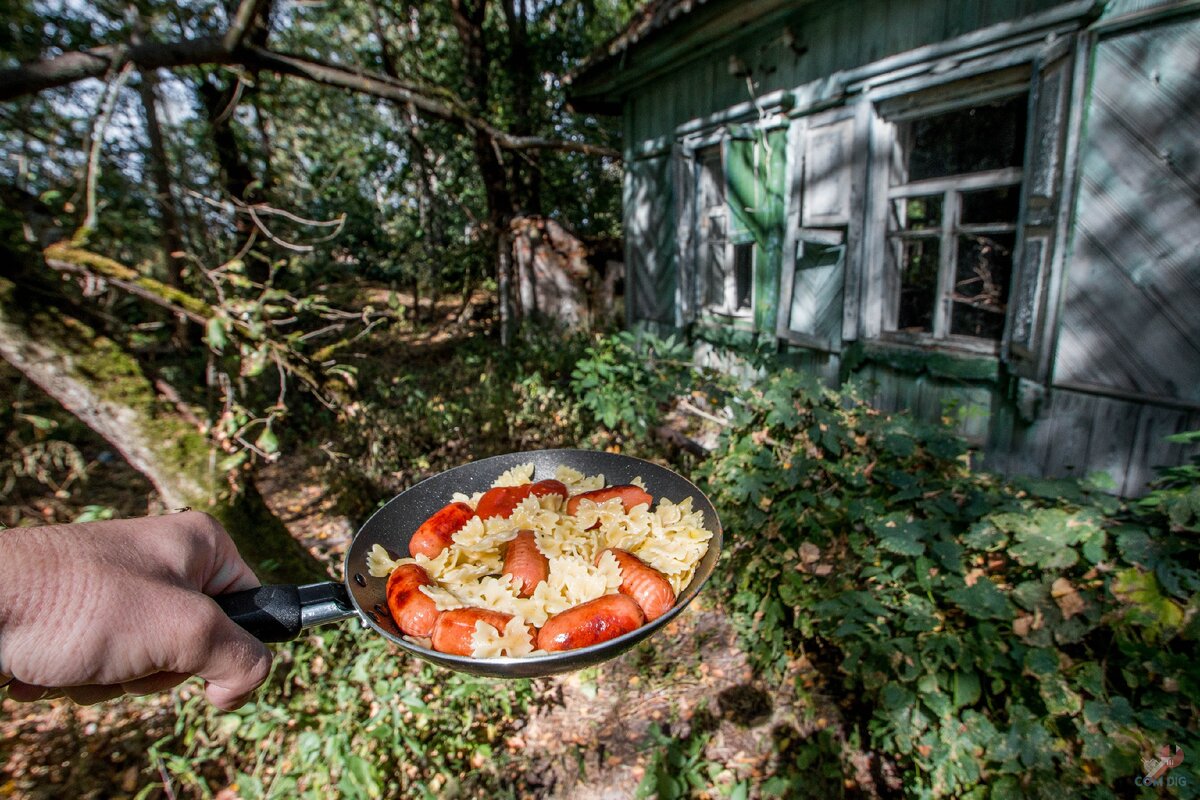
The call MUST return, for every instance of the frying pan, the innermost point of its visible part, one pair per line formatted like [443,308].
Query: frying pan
[279,613]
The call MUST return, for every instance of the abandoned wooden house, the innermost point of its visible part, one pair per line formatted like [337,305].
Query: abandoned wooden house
[992,205]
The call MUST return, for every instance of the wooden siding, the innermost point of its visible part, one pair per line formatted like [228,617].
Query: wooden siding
[1130,323]
[830,37]
[1083,425]
[650,285]
[1078,435]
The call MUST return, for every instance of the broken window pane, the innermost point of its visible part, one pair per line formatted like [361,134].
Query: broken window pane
[743,274]
[919,260]
[982,272]
[918,213]
[990,206]
[976,139]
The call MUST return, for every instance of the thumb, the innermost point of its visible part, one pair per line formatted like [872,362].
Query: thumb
[231,661]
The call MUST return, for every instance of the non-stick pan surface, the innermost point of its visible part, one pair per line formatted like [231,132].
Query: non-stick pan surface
[394,524]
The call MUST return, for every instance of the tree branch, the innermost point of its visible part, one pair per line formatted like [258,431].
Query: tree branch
[247,12]
[62,257]
[71,67]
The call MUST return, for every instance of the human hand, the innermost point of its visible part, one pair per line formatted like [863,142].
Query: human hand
[96,610]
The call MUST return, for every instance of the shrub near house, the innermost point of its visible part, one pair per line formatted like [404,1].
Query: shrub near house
[989,639]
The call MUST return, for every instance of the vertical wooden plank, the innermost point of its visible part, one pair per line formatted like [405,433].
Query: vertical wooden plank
[1061,437]
[1150,451]
[1114,426]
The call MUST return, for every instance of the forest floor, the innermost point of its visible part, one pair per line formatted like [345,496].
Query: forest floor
[685,703]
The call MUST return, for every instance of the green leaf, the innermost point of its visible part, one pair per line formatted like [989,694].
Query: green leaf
[1147,606]
[267,441]
[214,334]
[900,535]
[232,461]
[982,600]
[966,688]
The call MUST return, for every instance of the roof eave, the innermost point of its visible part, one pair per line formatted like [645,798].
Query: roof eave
[602,82]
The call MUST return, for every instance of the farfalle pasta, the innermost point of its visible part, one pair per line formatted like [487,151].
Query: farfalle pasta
[597,548]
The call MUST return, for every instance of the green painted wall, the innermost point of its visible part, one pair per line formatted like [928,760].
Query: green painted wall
[830,36]
[756,172]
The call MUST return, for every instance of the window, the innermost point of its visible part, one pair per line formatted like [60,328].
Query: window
[952,203]
[726,268]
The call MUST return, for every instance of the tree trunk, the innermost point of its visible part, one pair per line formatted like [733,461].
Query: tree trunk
[90,376]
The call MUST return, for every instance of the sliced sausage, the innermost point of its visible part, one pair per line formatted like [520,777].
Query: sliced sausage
[590,623]
[454,629]
[525,562]
[435,533]
[630,496]
[413,611]
[648,587]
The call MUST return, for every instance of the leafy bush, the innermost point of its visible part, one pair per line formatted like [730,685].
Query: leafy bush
[991,640]
[347,715]
[625,379]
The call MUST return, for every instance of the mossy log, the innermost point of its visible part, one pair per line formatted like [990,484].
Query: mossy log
[106,388]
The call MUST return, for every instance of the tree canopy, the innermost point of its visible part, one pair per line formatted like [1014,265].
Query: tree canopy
[197,185]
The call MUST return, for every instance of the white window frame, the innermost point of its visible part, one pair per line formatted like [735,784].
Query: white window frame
[711,218]
[888,115]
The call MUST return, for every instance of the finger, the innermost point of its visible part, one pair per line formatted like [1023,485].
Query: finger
[153,684]
[232,661]
[87,695]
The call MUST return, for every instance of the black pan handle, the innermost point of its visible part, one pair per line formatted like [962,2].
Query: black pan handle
[279,612]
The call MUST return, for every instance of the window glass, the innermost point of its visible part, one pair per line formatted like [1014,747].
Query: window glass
[743,274]
[990,205]
[975,139]
[982,272]
[919,259]
[713,250]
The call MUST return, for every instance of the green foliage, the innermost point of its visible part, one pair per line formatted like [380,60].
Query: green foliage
[626,378]
[991,640]
[679,769]
[347,715]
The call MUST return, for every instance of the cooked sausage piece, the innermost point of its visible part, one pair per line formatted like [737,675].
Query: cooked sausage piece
[549,486]
[500,501]
[413,610]
[525,562]
[590,623]
[630,496]
[648,587]
[454,629]
[435,533]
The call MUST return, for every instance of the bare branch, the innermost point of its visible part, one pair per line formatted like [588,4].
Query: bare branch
[95,63]
[65,258]
[107,106]
[247,12]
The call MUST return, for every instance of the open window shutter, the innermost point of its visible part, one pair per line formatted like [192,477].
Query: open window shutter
[1029,322]
[812,294]
[683,166]
[828,159]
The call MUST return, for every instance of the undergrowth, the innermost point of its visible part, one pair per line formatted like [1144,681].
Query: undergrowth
[986,639]
[345,714]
